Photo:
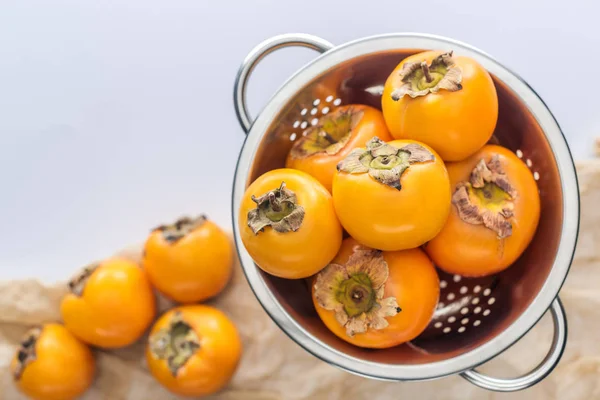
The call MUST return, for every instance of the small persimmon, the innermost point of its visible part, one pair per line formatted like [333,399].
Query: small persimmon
[288,224]
[495,213]
[52,364]
[392,196]
[189,261]
[323,146]
[193,350]
[376,299]
[110,304]
[447,102]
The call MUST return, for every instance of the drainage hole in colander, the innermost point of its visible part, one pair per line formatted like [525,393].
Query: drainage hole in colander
[443,284]
[296,124]
[456,278]
[519,153]
[450,296]
[464,321]
[447,329]
[477,310]
[314,122]
[437,325]
[491,301]
[487,292]
[316,102]
[325,110]
[477,289]
[329,98]
[293,137]
[464,310]
[475,301]
[477,323]
[536,176]
[314,111]
[303,125]
[463,290]
[304,111]
[529,163]
[486,313]
[337,102]
[461,329]
[451,320]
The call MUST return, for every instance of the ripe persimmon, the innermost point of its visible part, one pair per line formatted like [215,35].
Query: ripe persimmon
[189,261]
[392,196]
[288,224]
[495,213]
[376,299]
[323,146]
[110,304]
[193,350]
[447,102]
[52,364]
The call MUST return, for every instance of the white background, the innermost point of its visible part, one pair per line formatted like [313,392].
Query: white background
[116,116]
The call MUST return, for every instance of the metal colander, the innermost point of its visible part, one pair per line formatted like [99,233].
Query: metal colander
[477,318]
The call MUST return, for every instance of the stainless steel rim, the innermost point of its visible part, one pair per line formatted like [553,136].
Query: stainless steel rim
[547,293]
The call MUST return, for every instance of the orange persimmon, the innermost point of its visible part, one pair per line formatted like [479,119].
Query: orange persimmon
[193,350]
[288,224]
[376,299]
[447,102]
[495,213]
[110,304]
[392,196]
[323,146]
[189,261]
[52,364]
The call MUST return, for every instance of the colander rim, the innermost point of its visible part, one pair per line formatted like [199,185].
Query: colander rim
[568,237]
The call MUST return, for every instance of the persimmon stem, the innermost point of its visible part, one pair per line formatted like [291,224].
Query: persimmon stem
[425,69]
[328,137]
[275,205]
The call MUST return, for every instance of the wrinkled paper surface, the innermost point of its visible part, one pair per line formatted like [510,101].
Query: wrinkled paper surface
[274,367]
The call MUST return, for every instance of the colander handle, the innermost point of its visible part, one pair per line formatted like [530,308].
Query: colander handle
[541,371]
[260,52]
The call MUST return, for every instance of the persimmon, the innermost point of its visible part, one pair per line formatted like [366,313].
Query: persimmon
[447,102]
[323,146]
[376,299]
[193,350]
[189,261]
[392,196]
[288,224]
[495,213]
[110,304]
[52,364]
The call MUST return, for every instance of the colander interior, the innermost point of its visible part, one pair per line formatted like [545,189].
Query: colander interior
[360,80]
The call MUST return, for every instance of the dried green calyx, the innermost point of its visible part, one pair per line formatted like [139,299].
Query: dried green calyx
[420,79]
[354,291]
[330,135]
[278,209]
[177,343]
[78,282]
[487,198]
[178,230]
[26,353]
[384,163]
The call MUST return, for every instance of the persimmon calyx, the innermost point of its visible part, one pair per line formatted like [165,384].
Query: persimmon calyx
[278,209]
[354,291]
[383,162]
[180,228]
[330,136]
[26,353]
[78,282]
[419,79]
[487,198]
[176,343]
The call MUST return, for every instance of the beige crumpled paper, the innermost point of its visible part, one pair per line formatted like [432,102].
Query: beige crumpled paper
[274,367]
